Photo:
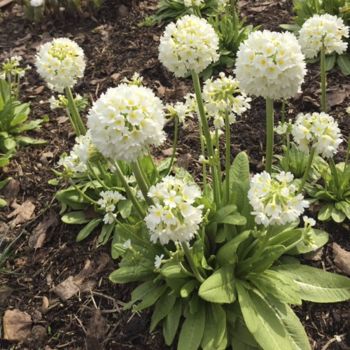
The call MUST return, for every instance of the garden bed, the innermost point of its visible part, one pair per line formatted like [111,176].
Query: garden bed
[116,47]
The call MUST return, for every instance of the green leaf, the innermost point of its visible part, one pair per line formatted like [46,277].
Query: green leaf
[223,212]
[26,140]
[344,207]
[87,229]
[295,330]
[234,219]
[262,322]
[188,288]
[219,287]
[163,307]
[239,171]
[151,297]
[105,234]
[343,62]
[172,270]
[126,274]
[75,218]
[215,332]
[325,212]
[192,330]
[330,62]
[227,253]
[171,323]
[317,285]
[318,238]
[3,203]
[125,208]
[337,215]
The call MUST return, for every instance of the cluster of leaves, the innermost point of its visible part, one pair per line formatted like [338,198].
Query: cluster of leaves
[304,9]
[248,278]
[57,7]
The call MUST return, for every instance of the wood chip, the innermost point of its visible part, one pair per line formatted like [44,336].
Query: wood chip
[17,325]
[341,258]
[22,213]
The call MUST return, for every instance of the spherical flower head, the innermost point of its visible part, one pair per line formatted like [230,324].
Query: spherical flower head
[125,121]
[319,131]
[275,200]
[324,30]
[192,3]
[223,96]
[60,63]
[36,3]
[190,44]
[174,215]
[76,161]
[270,65]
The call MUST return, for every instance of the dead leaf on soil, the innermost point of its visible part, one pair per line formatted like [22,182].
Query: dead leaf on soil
[3,3]
[22,213]
[341,258]
[11,190]
[37,238]
[337,97]
[96,331]
[17,325]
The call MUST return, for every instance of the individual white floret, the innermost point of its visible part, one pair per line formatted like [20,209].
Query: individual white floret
[60,63]
[125,121]
[326,30]
[174,216]
[190,44]
[270,65]
[76,161]
[182,110]
[275,200]
[319,131]
[223,96]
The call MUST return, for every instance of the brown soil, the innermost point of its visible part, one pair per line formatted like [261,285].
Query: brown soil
[116,47]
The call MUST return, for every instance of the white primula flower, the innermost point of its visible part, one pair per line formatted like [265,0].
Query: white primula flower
[192,3]
[76,161]
[190,44]
[173,217]
[158,260]
[309,222]
[108,202]
[323,29]
[270,65]
[318,130]
[36,3]
[275,200]
[348,110]
[182,110]
[125,121]
[60,63]
[222,96]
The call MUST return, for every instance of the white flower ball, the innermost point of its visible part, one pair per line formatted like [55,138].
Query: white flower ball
[326,29]
[275,200]
[60,63]
[174,216]
[190,44]
[125,121]
[191,3]
[270,65]
[36,3]
[222,96]
[318,130]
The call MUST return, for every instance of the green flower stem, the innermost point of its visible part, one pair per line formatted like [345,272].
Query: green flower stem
[308,168]
[269,134]
[191,262]
[347,155]
[288,149]
[227,159]
[175,141]
[141,181]
[84,195]
[323,80]
[78,124]
[206,132]
[129,192]
[334,172]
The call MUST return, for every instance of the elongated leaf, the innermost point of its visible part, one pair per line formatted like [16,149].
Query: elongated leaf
[151,298]
[126,274]
[262,321]
[192,330]
[317,285]
[330,62]
[171,323]
[85,232]
[318,238]
[343,62]
[292,324]
[188,288]
[163,307]
[223,212]
[234,219]
[26,140]
[239,171]
[219,287]
[75,218]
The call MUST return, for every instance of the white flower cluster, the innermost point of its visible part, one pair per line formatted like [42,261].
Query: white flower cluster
[11,67]
[274,199]
[173,217]
[108,202]
[318,130]
[76,161]
[222,96]
[271,65]
[61,101]
[324,30]
[36,3]
[125,121]
[190,44]
[182,110]
[192,3]
[60,63]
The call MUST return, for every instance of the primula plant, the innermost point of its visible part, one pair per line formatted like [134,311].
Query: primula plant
[214,255]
